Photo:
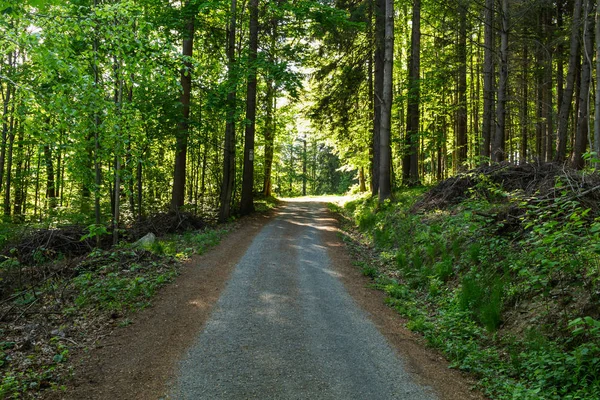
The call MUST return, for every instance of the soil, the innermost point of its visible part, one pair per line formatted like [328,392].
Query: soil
[138,361]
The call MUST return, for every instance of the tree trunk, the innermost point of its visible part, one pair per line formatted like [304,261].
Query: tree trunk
[581,136]
[269,135]
[5,121]
[20,184]
[597,99]
[96,156]
[50,186]
[410,164]
[488,81]
[304,167]
[567,101]
[247,201]
[499,142]
[548,83]
[524,106]
[229,148]
[9,162]
[385,181]
[461,50]
[179,174]
[380,6]
[119,107]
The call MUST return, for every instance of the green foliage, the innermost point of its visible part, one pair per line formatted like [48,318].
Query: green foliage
[112,289]
[457,276]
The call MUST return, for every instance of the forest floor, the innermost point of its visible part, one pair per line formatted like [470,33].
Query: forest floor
[137,361]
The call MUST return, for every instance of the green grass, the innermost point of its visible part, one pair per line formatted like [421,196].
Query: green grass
[459,279]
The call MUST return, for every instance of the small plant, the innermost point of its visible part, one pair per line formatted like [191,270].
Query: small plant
[369,271]
[94,232]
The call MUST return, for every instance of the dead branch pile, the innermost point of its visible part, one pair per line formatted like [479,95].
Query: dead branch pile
[165,223]
[38,246]
[539,182]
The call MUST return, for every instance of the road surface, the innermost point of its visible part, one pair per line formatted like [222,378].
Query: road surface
[285,327]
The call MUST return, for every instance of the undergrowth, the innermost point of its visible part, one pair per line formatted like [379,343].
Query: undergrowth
[507,288]
[54,307]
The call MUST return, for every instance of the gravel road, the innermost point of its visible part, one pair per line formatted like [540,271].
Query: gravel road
[286,328]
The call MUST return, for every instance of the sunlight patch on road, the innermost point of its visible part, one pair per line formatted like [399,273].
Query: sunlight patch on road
[319,199]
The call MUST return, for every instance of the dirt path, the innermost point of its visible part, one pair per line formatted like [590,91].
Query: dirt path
[285,327]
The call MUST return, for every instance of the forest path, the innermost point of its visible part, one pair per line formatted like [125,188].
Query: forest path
[276,311]
[286,328]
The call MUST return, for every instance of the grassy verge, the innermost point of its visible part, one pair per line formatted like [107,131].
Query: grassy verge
[507,289]
[57,307]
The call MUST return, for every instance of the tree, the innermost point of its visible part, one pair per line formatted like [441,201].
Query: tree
[379,44]
[498,144]
[179,173]
[567,100]
[597,99]
[247,205]
[410,170]
[581,136]
[461,52]
[488,81]
[385,179]
[229,148]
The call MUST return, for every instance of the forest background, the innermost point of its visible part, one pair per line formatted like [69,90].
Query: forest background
[115,109]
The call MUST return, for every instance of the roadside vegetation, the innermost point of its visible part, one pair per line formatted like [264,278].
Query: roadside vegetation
[59,294]
[498,268]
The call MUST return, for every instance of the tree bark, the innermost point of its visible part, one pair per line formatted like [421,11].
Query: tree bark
[581,136]
[410,164]
[524,106]
[385,179]
[379,42]
[597,99]
[567,101]
[179,173]
[20,173]
[9,162]
[461,50]
[499,142]
[229,148]
[488,81]
[50,185]
[247,200]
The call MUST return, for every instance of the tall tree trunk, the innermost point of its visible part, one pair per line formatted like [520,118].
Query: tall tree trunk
[7,98]
[410,164]
[20,183]
[9,162]
[270,109]
[560,73]
[581,136]
[488,81]
[524,106]
[119,107]
[229,148]
[567,101]
[385,179]
[379,42]
[50,186]
[499,142]
[179,173]
[96,155]
[549,87]
[269,134]
[247,201]
[304,167]
[140,187]
[461,128]
[597,99]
